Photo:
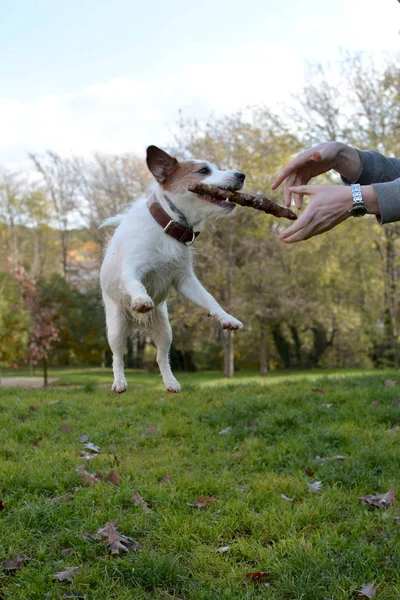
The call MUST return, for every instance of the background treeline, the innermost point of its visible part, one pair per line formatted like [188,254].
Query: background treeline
[333,301]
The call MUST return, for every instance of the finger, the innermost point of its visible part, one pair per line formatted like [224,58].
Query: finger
[287,194]
[298,199]
[303,190]
[302,222]
[295,164]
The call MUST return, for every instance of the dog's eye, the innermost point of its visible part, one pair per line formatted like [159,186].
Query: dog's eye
[204,171]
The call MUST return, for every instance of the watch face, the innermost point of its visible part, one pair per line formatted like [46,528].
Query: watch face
[359,211]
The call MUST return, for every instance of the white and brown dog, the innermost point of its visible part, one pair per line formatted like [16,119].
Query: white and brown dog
[150,252]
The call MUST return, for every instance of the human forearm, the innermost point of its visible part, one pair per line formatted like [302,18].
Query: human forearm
[348,162]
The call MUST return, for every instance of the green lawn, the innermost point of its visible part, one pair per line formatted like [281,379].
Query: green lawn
[167,448]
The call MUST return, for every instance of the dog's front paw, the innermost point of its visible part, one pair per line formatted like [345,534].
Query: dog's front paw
[142,305]
[173,386]
[229,322]
[119,386]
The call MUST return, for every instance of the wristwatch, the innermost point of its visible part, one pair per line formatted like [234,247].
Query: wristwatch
[358,209]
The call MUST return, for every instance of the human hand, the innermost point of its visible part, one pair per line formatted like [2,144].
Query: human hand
[329,206]
[315,161]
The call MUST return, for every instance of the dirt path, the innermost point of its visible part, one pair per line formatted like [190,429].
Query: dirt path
[24,382]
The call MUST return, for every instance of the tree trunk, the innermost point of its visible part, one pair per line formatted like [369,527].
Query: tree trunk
[283,346]
[45,382]
[229,367]
[229,364]
[263,351]
[140,348]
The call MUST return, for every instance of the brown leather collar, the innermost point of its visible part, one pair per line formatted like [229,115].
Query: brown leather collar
[179,232]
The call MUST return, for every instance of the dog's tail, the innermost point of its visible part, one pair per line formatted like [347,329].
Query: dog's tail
[111,221]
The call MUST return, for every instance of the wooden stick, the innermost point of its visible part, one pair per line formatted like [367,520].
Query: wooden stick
[259,202]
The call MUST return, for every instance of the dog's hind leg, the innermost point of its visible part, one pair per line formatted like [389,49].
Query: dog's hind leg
[116,335]
[162,335]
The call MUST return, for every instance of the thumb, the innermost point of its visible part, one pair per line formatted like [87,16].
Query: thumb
[303,190]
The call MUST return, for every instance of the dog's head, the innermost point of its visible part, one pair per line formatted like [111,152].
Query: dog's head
[174,178]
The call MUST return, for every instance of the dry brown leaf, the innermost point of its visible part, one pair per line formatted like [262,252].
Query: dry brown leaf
[113,478]
[318,390]
[309,472]
[32,408]
[150,431]
[255,576]
[15,563]
[315,487]
[89,478]
[394,430]
[67,575]
[2,507]
[92,447]
[167,478]
[380,500]
[366,591]
[223,549]
[140,501]
[330,458]
[389,383]
[117,543]
[225,431]
[202,501]
[64,427]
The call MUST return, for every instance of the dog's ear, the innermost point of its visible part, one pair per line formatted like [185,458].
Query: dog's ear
[161,164]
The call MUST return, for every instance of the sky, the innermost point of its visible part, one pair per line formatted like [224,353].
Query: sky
[78,76]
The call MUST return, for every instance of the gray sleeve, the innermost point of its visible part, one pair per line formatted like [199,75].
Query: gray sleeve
[384,175]
[388,195]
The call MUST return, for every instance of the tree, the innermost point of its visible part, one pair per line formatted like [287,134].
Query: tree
[43,333]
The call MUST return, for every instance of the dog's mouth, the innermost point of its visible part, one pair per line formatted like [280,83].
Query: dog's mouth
[225,204]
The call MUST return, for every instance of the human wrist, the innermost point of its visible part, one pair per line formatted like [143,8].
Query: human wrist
[347,162]
[370,199]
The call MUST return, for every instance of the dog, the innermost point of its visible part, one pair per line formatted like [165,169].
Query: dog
[150,252]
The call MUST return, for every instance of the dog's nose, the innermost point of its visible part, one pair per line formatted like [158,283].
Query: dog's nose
[240,176]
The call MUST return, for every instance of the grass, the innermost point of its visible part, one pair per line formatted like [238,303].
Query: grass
[323,546]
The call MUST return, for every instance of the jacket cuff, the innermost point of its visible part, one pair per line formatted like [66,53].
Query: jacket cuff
[388,195]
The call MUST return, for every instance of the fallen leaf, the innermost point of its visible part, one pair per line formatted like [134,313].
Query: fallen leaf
[255,576]
[89,478]
[116,460]
[84,438]
[223,549]
[394,430]
[67,551]
[284,497]
[150,431]
[64,427]
[315,487]
[32,408]
[330,458]
[167,478]
[87,455]
[380,500]
[139,501]
[117,542]
[67,575]
[14,564]
[2,507]
[309,472]
[389,383]
[225,431]
[202,501]
[366,591]
[318,390]
[92,447]
[113,478]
